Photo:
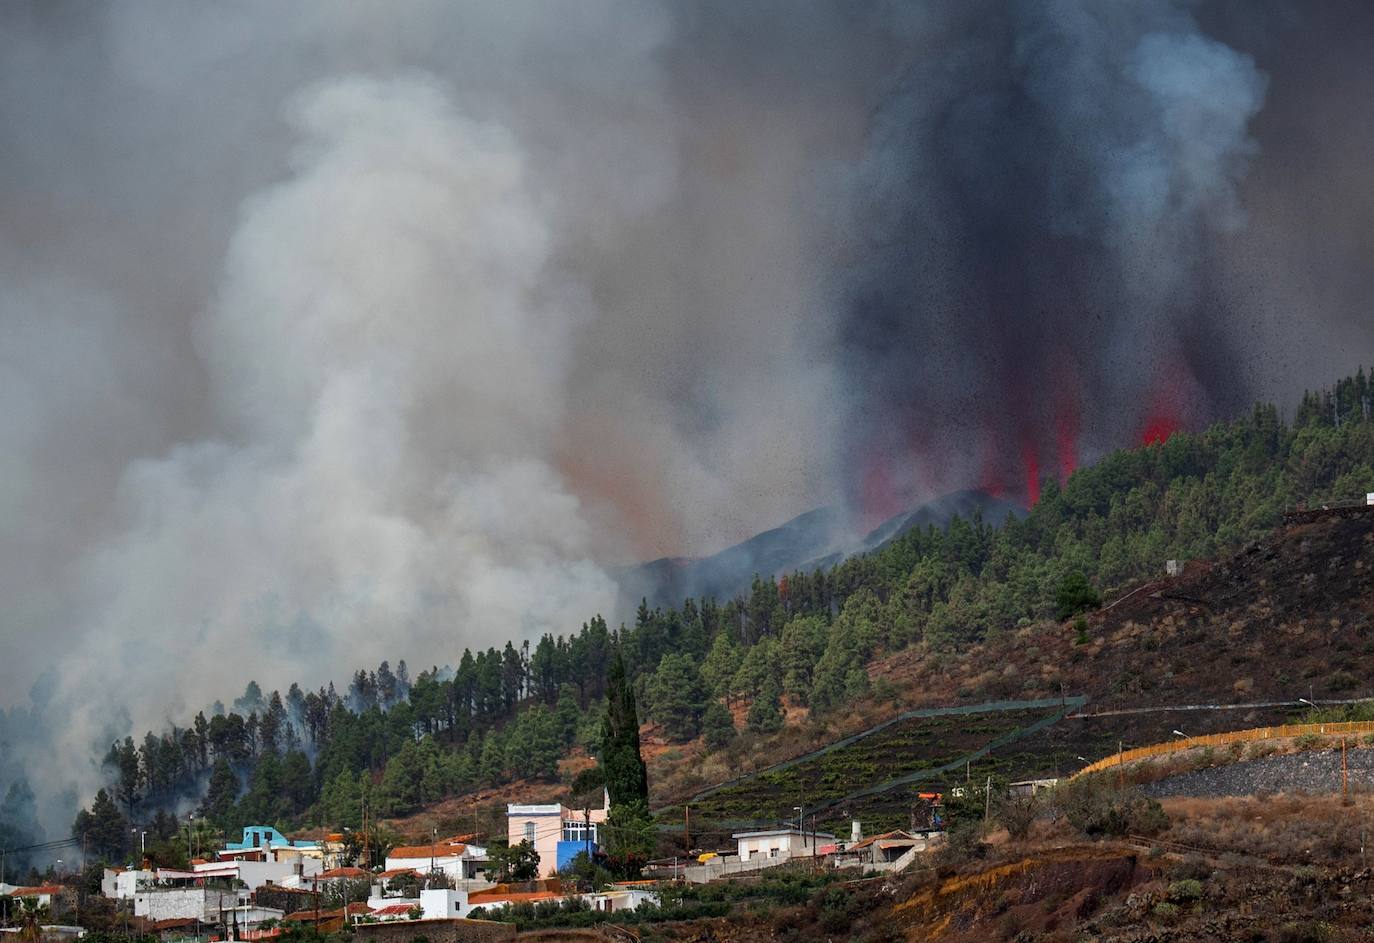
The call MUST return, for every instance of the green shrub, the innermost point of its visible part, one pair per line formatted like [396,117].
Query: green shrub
[1080,626]
[1341,681]
[1166,911]
[1188,889]
[1074,595]
[1098,809]
[1309,741]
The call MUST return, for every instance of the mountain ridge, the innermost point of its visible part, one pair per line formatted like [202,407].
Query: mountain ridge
[815,539]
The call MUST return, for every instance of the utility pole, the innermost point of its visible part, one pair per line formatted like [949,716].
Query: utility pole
[987,799]
[367,857]
[1345,776]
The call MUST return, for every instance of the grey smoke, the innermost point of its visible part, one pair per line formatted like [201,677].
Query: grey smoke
[1032,236]
[340,332]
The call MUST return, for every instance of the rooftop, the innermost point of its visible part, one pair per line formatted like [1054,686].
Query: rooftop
[885,840]
[333,873]
[426,851]
[397,872]
[546,809]
[38,891]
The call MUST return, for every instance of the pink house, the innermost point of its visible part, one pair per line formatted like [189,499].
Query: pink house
[557,832]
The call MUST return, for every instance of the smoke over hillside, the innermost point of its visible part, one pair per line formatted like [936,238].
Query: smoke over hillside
[340,332]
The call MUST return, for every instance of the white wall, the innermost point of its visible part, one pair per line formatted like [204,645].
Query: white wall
[787,845]
[442,903]
[126,883]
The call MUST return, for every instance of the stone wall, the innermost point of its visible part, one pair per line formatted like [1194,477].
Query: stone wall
[434,931]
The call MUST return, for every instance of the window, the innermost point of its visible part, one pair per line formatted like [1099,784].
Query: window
[529,832]
[772,852]
[578,831]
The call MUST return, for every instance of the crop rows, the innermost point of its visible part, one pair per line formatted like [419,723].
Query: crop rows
[900,749]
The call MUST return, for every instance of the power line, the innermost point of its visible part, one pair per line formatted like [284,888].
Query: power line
[42,846]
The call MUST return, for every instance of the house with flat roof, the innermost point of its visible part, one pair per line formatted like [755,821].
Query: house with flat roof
[784,843]
[557,833]
[265,843]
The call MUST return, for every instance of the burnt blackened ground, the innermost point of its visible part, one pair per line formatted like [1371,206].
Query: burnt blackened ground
[1309,772]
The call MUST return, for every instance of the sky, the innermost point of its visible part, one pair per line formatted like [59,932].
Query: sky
[342,331]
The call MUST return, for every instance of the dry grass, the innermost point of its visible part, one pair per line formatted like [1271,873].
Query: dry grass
[1320,831]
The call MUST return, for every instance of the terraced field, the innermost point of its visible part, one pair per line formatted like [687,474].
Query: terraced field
[922,750]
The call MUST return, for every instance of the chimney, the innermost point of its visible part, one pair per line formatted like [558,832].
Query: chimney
[856,832]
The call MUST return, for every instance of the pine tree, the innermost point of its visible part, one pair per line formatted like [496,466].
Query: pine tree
[104,828]
[765,714]
[222,793]
[678,696]
[717,726]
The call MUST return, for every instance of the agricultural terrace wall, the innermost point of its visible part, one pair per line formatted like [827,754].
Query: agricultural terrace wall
[1066,704]
[1281,732]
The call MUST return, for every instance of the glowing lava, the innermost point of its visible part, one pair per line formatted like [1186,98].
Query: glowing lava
[1158,429]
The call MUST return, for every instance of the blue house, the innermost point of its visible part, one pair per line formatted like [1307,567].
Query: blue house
[264,837]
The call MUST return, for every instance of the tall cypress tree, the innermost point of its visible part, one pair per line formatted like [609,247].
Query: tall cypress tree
[627,779]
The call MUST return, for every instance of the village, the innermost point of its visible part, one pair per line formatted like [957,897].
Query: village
[268,884]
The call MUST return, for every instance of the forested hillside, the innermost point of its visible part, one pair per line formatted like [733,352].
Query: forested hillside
[501,714]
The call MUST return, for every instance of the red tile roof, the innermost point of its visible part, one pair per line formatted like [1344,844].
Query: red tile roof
[394,872]
[38,891]
[437,850]
[173,924]
[307,915]
[344,873]
[478,898]
[394,910]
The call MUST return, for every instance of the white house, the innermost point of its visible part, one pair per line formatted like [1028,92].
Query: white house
[780,843]
[442,902]
[624,895]
[252,874]
[122,883]
[41,896]
[454,856]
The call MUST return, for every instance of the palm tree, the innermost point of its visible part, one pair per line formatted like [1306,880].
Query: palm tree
[32,916]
